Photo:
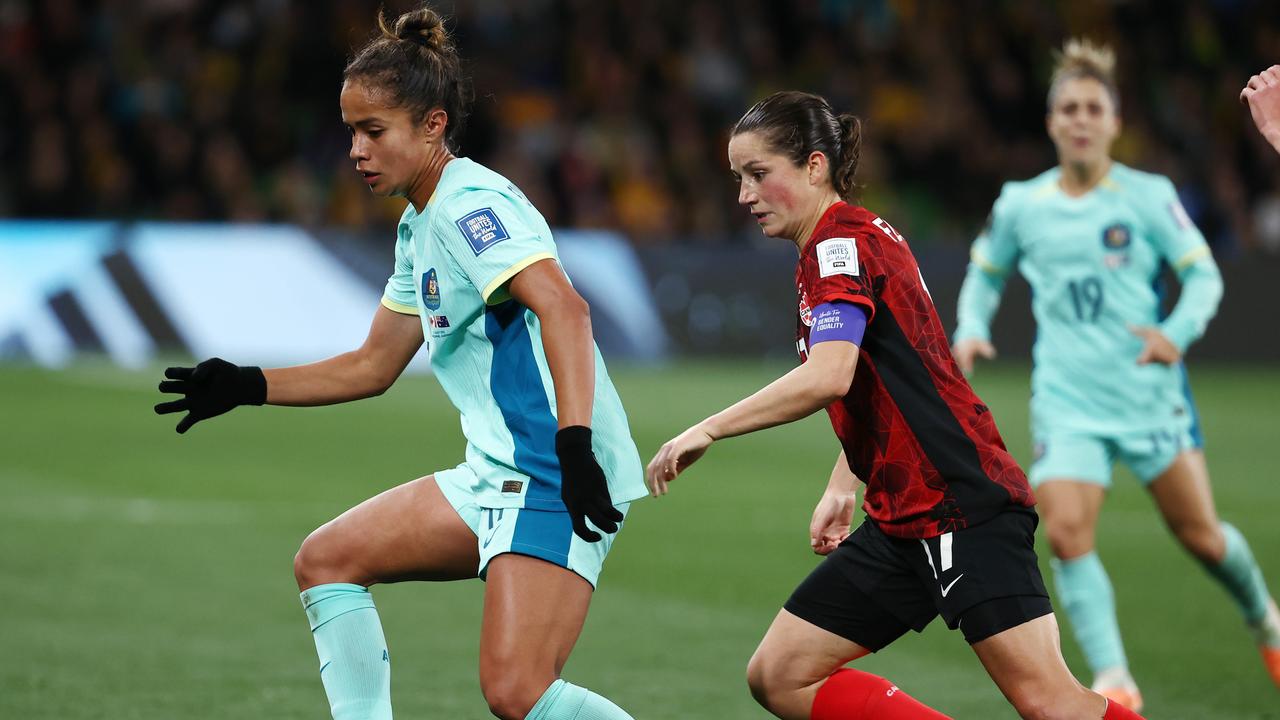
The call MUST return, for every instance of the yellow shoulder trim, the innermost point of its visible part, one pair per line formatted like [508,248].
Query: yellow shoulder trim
[510,272]
[1191,258]
[394,306]
[986,265]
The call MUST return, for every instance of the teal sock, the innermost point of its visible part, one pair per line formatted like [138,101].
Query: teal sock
[563,701]
[354,665]
[1240,575]
[1085,593]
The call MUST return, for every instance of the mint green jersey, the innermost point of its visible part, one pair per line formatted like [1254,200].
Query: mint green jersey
[1093,263]
[452,263]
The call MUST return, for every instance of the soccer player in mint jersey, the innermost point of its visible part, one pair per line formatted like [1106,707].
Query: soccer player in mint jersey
[950,524]
[1091,237]
[550,465]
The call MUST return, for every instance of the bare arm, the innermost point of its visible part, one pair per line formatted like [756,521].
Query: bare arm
[820,381]
[833,516]
[566,337]
[393,340]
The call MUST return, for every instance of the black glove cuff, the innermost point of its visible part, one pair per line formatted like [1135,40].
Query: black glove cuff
[253,386]
[574,437]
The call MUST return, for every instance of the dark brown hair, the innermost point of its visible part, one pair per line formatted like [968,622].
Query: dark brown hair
[795,124]
[416,65]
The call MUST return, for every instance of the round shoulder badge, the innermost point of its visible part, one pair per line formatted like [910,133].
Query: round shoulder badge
[431,290]
[1116,237]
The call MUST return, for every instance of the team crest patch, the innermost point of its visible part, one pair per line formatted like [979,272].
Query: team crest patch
[482,229]
[1116,237]
[806,313]
[431,290]
[837,256]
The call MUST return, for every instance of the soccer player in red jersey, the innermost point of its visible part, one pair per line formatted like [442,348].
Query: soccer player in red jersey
[950,525]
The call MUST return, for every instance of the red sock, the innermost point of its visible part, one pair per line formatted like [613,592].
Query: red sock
[855,695]
[1116,711]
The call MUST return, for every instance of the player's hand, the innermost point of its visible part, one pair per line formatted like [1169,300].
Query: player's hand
[1262,95]
[1156,347]
[583,487]
[832,519]
[210,389]
[679,453]
[968,349]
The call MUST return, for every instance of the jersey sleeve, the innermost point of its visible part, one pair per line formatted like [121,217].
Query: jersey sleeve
[996,248]
[1182,245]
[399,292]
[492,236]
[834,272]
[1177,239]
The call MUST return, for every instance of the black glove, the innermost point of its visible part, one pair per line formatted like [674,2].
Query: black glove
[583,487]
[211,388]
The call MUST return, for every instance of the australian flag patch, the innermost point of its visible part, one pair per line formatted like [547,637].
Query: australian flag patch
[482,229]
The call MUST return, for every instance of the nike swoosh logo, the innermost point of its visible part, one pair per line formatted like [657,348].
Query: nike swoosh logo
[322,667]
[489,539]
[951,584]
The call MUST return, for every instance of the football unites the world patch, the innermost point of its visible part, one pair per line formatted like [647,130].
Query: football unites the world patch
[837,256]
[482,229]
[431,290]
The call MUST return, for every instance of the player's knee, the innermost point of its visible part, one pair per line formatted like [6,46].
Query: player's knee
[320,560]
[769,684]
[1045,704]
[1205,542]
[1069,534]
[509,695]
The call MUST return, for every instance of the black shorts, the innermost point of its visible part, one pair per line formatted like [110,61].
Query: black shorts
[873,588]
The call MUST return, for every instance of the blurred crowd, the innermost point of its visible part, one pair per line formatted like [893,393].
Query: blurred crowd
[614,114]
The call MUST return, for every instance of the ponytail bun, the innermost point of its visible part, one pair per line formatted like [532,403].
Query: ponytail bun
[422,26]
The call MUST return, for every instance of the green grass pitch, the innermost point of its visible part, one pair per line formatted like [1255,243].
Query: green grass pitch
[147,575]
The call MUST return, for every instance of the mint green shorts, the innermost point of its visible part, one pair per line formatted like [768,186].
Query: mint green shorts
[544,534]
[1065,455]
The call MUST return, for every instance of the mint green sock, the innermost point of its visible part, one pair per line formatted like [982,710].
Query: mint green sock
[1085,594]
[1240,575]
[354,665]
[563,701]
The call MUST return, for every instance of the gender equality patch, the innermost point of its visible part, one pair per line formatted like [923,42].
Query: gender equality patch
[482,229]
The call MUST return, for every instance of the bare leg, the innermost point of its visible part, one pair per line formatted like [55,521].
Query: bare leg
[533,614]
[1026,663]
[793,660]
[1183,496]
[1069,511]
[409,532]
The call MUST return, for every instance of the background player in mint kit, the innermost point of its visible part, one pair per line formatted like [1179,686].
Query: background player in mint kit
[1091,237]
[949,528]
[550,465]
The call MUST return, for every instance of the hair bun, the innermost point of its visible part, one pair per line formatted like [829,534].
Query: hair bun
[422,26]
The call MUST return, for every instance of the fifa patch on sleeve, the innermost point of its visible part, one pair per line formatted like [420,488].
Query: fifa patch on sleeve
[1180,215]
[482,229]
[837,256]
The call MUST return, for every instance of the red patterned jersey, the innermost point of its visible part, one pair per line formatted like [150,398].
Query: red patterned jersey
[913,430]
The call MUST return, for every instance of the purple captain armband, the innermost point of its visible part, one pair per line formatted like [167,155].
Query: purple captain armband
[838,321]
